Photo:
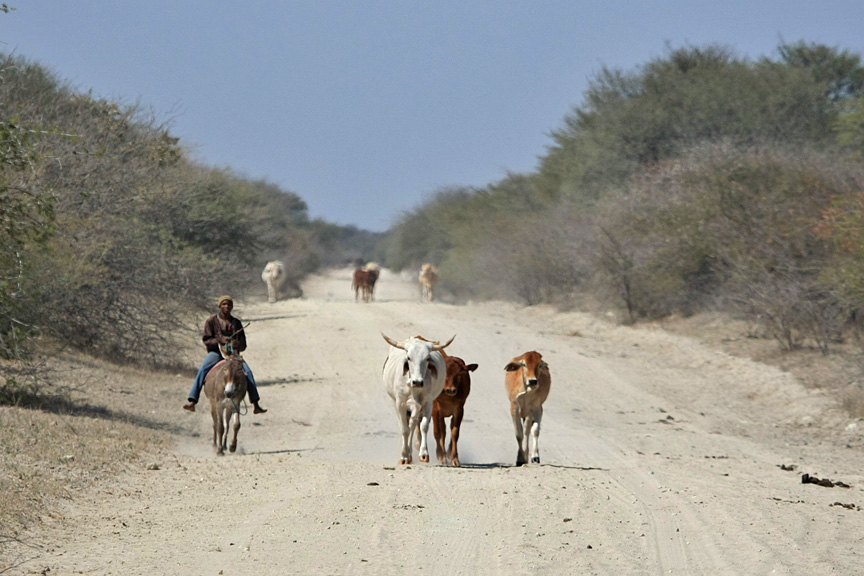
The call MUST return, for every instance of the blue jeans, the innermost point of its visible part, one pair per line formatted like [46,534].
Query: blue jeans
[210,361]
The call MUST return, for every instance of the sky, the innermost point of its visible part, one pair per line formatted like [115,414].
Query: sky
[365,109]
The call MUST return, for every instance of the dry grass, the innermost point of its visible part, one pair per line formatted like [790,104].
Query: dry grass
[840,374]
[112,419]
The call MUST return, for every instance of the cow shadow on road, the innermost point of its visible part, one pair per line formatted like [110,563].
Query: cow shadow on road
[279,317]
[275,381]
[584,468]
[497,465]
[285,451]
[484,466]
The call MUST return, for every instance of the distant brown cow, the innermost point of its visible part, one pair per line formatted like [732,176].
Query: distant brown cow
[527,380]
[451,404]
[364,281]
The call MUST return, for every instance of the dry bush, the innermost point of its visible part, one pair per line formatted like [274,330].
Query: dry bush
[141,236]
[734,225]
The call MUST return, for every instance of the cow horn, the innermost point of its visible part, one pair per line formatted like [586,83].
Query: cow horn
[394,343]
[439,348]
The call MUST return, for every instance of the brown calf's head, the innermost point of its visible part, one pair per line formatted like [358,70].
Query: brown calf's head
[458,376]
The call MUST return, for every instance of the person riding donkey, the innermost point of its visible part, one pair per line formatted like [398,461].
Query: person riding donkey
[223,328]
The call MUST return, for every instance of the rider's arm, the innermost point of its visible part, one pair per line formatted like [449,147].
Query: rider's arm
[240,338]
[212,334]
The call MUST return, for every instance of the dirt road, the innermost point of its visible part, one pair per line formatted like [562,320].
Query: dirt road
[659,456]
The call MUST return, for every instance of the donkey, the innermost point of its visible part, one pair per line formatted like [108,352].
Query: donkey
[225,387]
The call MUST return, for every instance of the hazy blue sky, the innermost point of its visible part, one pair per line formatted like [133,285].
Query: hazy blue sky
[365,109]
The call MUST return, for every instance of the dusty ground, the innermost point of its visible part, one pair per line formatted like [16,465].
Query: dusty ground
[660,455]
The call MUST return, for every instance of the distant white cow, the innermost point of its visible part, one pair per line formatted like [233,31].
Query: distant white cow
[428,279]
[274,275]
[414,375]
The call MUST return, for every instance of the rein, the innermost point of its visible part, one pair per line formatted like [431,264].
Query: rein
[226,350]
[237,408]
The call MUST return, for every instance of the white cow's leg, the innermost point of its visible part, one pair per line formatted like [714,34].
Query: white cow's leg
[517,426]
[424,430]
[271,291]
[535,437]
[404,416]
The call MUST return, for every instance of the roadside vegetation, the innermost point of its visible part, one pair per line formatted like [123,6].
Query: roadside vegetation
[699,182]
[112,238]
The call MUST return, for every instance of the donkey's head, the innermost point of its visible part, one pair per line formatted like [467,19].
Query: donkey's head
[235,378]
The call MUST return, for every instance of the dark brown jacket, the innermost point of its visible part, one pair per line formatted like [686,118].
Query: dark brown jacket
[215,328]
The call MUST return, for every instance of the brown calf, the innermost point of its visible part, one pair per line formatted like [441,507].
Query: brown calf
[451,404]
[527,380]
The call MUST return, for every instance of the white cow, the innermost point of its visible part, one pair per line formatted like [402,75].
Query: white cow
[274,275]
[414,375]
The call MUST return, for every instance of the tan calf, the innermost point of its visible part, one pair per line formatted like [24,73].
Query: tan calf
[428,279]
[527,380]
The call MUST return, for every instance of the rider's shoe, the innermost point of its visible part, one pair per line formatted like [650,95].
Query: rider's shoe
[258,409]
[190,406]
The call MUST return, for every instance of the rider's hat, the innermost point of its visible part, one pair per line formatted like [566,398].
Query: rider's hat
[224,298]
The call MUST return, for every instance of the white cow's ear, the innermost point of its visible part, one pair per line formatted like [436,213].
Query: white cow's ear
[433,370]
[512,367]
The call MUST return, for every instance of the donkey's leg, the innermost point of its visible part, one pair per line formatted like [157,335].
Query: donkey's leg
[235,417]
[219,422]
[215,416]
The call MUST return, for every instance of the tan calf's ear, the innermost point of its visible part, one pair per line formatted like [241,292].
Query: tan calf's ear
[512,367]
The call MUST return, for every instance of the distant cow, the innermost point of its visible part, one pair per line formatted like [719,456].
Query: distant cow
[451,404]
[428,280]
[274,275]
[414,375]
[363,282]
[527,380]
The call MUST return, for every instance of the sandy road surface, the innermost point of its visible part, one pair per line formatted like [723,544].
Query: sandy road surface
[659,456]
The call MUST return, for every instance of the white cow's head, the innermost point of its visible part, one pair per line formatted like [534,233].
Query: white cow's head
[273,270]
[417,363]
